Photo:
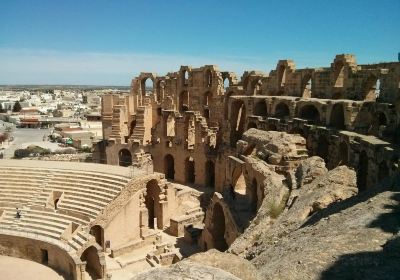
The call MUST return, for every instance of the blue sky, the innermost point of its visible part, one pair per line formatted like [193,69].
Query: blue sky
[110,41]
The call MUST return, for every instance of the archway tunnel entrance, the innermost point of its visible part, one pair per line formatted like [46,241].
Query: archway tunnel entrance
[125,157]
[218,228]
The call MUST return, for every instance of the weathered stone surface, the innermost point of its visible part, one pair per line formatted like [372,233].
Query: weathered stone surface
[233,264]
[310,169]
[186,270]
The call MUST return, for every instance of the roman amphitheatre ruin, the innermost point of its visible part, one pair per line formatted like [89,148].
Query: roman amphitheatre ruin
[291,174]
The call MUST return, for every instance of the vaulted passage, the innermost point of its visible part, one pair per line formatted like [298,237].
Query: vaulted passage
[282,111]
[310,113]
[152,201]
[98,232]
[125,157]
[337,116]
[93,266]
[218,228]
[260,109]
[169,167]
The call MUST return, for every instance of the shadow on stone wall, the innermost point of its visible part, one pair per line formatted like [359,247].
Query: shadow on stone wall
[384,264]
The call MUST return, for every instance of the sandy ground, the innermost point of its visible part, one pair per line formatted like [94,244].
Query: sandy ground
[20,269]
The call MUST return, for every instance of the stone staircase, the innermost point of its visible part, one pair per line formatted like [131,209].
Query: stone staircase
[116,126]
[139,130]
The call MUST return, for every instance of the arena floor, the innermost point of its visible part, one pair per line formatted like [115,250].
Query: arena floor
[20,269]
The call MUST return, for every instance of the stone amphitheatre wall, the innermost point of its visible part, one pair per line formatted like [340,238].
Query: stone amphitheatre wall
[194,126]
[40,252]
[189,121]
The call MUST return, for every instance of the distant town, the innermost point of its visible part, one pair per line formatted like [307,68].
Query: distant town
[53,122]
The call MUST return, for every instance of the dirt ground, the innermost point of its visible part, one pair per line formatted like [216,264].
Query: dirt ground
[20,269]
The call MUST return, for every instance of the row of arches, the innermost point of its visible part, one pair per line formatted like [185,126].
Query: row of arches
[190,171]
[311,113]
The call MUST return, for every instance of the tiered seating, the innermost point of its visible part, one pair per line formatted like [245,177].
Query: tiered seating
[84,195]
[19,186]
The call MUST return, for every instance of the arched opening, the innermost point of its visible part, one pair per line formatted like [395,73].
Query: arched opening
[98,233]
[125,157]
[260,109]
[210,174]
[306,87]
[190,171]
[147,86]
[93,266]
[184,101]
[208,78]
[281,76]
[310,113]
[185,78]
[218,228]
[238,117]
[251,125]
[337,116]
[282,111]
[253,195]
[383,171]
[343,158]
[169,167]
[151,201]
[362,171]
[323,147]
[371,88]
[226,83]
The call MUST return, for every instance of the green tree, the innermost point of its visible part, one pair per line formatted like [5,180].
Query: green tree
[17,107]
[1,108]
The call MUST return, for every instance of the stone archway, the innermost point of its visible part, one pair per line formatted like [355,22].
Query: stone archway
[337,116]
[218,228]
[93,266]
[282,111]
[169,167]
[125,157]
[98,233]
[260,109]
[309,112]
[152,202]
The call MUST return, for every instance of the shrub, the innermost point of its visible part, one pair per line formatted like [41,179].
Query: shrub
[21,153]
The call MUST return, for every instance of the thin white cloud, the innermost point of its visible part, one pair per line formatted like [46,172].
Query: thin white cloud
[55,67]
